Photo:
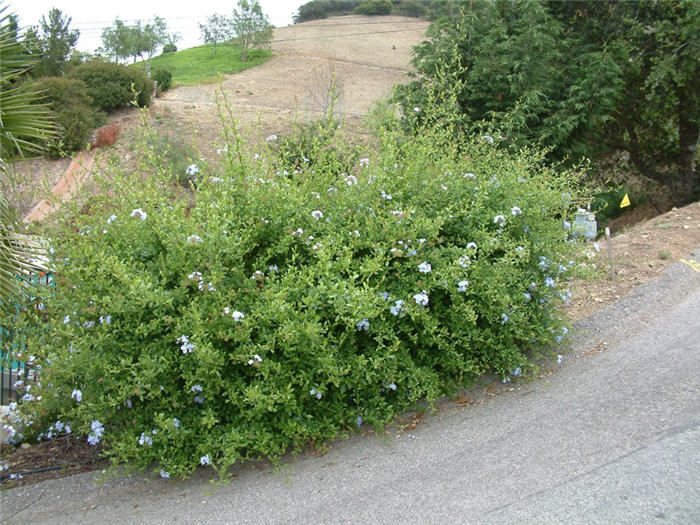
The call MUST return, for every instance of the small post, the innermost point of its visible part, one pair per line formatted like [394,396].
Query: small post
[610,253]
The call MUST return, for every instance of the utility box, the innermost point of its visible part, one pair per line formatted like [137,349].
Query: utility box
[585,224]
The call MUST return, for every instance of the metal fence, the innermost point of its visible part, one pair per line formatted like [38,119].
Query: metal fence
[13,371]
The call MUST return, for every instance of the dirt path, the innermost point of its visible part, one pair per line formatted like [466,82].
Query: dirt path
[363,56]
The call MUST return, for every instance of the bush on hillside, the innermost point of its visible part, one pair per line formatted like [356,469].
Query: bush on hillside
[409,8]
[260,313]
[72,110]
[113,86]
[373,7]
[169,48]
[164,78]
[317,9]
[313,145]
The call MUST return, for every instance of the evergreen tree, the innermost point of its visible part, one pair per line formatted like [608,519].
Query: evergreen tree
[56,40]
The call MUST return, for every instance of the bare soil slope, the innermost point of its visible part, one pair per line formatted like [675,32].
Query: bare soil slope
[364,56]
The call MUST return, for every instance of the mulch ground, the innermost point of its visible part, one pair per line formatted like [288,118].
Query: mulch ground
[52,459]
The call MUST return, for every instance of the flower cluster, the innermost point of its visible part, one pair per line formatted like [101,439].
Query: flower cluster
[421,298]
[139,214]
[362,325]
[97,431]
[185,345]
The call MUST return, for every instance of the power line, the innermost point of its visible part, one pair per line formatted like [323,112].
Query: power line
[83,28]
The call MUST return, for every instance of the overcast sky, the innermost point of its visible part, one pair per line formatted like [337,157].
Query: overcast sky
[91,17]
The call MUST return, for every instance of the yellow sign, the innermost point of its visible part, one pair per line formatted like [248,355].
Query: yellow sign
[625,201]
[693,264]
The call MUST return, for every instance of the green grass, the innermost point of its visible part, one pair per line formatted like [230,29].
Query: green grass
[198,65]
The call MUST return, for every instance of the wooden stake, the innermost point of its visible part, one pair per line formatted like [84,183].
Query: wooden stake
[608,240]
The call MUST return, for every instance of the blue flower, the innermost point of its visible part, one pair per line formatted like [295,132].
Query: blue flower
[145,440]
[549,282]
[462,286]
[504,318]
[97,432]
[164,474]
[77,395]
[421,298]
[397,309]
[316,393]
[425,267]
[205,460]
[362,325]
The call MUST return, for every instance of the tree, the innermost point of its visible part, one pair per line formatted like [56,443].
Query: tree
[657,115]
[24,126]
[217,29]
[250,26]
[117,41]
[137,41]
[580,78]
[149,38]
[56,41]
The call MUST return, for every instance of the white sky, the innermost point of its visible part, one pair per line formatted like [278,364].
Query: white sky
[91,17]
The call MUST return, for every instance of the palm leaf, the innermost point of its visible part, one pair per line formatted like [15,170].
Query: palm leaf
[25,126]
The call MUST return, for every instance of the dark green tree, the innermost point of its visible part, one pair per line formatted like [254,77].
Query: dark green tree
[56,40]
[581,78]
[657,111]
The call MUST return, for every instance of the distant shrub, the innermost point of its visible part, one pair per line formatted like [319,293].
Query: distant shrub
[164,78]
[72,108]
[112,86]
[409,8]
[313,145]
[169,48]
[260,313]
[373,7]
[318,9]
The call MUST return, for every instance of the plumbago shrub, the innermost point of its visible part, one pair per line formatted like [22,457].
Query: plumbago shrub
[257,312]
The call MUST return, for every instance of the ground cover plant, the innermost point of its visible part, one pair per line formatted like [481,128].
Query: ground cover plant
[199,65]
[266,308]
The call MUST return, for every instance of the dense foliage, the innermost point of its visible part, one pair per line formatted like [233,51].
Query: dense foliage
[317,9]
[52,42]
[373,7]
[266,310]
[581,78]
[164,78]
[72,111]
[113,86]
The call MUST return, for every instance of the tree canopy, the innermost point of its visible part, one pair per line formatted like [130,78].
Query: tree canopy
[250,26]
[581,78]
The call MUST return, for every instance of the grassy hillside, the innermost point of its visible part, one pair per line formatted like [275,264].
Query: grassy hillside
[198,65]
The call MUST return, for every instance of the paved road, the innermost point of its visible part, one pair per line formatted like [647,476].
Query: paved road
[613,436]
